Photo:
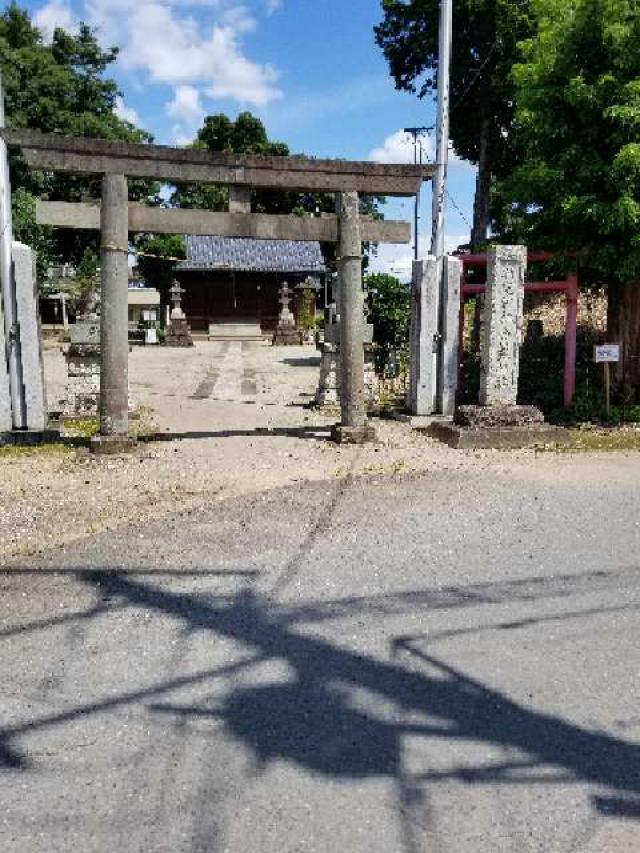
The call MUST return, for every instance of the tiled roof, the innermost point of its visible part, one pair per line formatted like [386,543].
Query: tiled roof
[243,254]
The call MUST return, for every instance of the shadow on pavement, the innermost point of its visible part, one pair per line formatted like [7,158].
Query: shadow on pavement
[332,716]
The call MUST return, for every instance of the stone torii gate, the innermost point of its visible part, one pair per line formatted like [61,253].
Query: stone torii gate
[115,218]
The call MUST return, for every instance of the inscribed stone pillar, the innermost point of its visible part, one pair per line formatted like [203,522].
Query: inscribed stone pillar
[502,323]
[28,316]
[424,326]
[114,317]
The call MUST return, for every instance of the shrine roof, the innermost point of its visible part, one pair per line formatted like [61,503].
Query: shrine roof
[249,255]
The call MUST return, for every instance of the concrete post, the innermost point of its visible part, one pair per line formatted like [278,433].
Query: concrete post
[424,327]
[114,334]
[28,318]
[353,427]
[502,332]
[450,356]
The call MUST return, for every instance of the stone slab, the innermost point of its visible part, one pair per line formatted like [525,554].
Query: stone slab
[424,326]
[235,331]
[501,438]
[449,367]
[107,445]
[28,316]
[353,435]
[6,416]
[500,415]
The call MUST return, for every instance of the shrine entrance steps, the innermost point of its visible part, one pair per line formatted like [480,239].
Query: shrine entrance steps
[235,331]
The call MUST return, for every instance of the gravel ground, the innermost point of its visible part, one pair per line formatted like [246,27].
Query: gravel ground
[231,419]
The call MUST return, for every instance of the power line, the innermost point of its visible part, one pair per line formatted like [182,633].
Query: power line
[475,77]
[458,208]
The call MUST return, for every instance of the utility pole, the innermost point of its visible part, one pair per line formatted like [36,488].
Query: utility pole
[442,128]
[416,133]
[439,190]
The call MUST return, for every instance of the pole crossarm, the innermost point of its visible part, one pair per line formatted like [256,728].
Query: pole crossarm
[160,220]
[80,155]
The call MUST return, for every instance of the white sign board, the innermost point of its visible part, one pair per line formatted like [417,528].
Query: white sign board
[606,353]
[151,336]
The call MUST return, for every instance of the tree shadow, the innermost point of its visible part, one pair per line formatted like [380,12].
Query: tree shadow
[332,716]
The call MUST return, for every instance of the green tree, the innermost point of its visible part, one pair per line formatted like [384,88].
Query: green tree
[485,37]
[157,261]
[578,190]
[59,87]
[389,302]
[246,135]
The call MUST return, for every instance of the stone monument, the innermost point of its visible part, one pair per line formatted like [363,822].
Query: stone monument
[178,333]
[499,421]
[286,332]
[328,390]
[82,395]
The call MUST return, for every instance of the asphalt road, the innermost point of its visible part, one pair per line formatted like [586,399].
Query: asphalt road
[438,663]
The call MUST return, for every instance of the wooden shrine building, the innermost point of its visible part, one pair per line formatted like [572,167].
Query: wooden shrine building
[233,283]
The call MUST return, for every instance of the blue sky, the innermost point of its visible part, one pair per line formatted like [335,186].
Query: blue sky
[309,68]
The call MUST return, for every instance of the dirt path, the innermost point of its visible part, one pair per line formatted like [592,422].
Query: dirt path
[230,419]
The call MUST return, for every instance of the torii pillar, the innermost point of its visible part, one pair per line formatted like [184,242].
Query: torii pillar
[114,317]
[353,427]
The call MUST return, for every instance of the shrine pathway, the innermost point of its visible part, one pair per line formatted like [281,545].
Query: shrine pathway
[438,663]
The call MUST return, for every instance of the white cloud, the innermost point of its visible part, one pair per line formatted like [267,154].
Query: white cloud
[398,259]
[56,13]
[126,113]
[273,6]
[399,148]
[164,40]
[186,106]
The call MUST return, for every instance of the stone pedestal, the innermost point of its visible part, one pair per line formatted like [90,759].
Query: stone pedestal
[286,332]
[353,435]
[178,333]
[500,426]
[287,336]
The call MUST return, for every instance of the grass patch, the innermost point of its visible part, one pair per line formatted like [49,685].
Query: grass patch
[603,439]
[13,451]
[80,427]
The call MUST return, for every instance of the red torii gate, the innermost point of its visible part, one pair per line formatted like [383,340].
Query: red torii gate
[568,286]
